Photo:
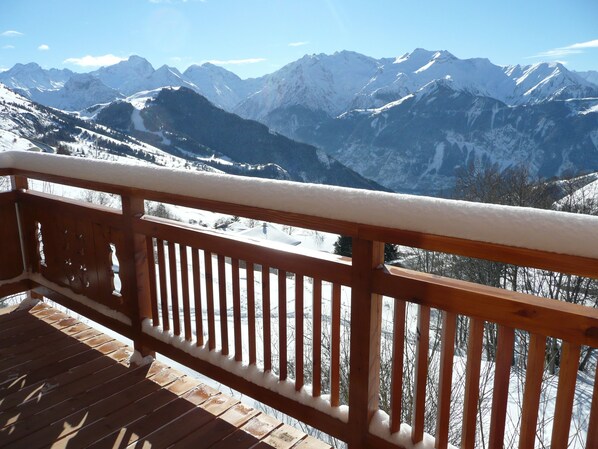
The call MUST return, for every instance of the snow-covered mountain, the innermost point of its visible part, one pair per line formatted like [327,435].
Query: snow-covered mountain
[325,83]
[183,122]
[590,75]
[328,84]
[29,78]
[175,127]
[221,87]
[379,116]
[79,92]
[136,74]
[417,144]
[27,126]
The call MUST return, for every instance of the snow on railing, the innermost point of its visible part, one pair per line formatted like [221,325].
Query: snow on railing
[326,329]
[505,225]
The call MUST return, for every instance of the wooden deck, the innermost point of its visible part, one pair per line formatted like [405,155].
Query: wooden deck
[65,384]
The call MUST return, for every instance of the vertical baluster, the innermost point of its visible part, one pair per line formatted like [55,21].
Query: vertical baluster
[223,305]
[335,330]
[565,394]
[472,382]
[174,288]
[592,438]
[282,323]
[210,300]
[266,318]
[185,288]
[533,388]
[398,351]
[237,310]
[151,268]
[163,289]
[317,338]
[298,332]
[500,391]
[421,373]
[197,296]
[251,312]
[445,380]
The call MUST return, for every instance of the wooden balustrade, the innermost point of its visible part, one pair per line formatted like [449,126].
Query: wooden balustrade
[231,304]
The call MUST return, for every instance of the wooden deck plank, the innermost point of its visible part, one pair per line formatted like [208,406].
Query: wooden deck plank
[194,419]
[34,370]
[284,437]
[111,389]
[250,433]
[69,385]
[155,418]
[218,429]
[311,443]
[65,428]
[40,389]
[47,351]
[124,418]
[57,395]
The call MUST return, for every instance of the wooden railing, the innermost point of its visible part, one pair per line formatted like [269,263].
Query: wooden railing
[170,288]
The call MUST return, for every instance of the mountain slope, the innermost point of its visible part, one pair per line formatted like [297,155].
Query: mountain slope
[25,125]
[416,144]
[183,121]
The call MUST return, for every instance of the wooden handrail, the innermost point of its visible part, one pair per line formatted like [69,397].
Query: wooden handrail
[152,251]
[570,322]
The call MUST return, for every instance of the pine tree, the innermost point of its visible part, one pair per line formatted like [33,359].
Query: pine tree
[344,247]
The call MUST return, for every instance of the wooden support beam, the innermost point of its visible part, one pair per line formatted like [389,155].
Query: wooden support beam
[366,319]
[135,273]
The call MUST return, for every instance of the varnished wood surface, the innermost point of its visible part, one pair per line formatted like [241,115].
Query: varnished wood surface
[64,384]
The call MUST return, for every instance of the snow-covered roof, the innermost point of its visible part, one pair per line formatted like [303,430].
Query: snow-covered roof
[546,230]
[267,231]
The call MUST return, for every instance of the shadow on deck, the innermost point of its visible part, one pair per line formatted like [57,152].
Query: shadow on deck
[65,384]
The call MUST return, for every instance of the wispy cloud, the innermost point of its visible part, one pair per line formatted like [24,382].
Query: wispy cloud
[43,47]
[94,61]
[8,47]
[11,33]
[236,61]
[298,44]
[568,50]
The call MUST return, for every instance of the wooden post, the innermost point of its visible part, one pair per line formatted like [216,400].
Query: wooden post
[18,182]
[136,266]
[366,320]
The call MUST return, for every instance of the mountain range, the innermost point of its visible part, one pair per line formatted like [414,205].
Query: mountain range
[162,128]
[409,122]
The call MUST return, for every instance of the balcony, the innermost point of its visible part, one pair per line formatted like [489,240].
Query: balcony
[332,325]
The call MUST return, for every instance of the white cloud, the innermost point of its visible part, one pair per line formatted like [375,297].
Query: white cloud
[588,44]
[94,61]
[8,47]
[568,50]
[236,61]
[298,44]
[11,33]
[43,47]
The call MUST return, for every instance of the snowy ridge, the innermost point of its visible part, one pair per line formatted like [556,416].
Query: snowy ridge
[514,226]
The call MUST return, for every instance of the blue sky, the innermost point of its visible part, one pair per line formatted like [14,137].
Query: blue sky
[254,37]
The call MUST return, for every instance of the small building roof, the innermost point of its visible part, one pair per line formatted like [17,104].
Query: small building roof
[267,231]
